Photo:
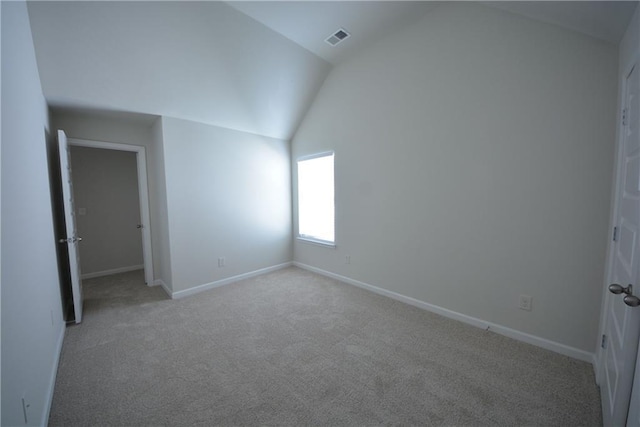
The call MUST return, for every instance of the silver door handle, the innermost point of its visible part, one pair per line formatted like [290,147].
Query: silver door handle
[618,289]
[630,299]
[139,226]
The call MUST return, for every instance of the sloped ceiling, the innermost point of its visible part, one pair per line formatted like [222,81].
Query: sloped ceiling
[200,61]
[309,23]
[604,20]
[253,66]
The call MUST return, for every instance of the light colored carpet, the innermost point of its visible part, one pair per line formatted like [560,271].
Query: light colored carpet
[295,348]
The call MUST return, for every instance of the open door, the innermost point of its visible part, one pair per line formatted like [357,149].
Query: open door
[622,311]
[633,419]
[71,239]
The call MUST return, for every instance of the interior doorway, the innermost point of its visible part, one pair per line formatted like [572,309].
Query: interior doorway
[107,205]
[131,226]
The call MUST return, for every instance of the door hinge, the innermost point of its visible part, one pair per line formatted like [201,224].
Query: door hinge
[624,117]
[615,234]
[603,344]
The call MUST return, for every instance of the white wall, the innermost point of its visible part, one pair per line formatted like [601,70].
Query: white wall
[105,185]
[159,210]
[630,44]
[132,129]
[228,195]
[32,325]
[473,164]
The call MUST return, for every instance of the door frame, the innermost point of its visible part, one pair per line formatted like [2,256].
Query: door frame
[143,194]
[625,70]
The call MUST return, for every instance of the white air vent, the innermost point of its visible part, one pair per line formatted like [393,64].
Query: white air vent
[337,37]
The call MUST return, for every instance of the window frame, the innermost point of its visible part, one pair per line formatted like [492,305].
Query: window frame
[303,237]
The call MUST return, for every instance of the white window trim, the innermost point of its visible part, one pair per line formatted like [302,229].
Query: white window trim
[318,242]
[315,156]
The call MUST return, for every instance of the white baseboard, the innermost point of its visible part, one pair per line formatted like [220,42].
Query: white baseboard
[112,271]
[502,330]
[223,282]
[160,282]
[52,380]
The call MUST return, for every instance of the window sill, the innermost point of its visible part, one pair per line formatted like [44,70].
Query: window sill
[311,241]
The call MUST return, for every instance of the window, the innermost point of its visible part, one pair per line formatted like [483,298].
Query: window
[316,210]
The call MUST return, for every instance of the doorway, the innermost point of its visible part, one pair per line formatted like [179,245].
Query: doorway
[118,219]
[107,205]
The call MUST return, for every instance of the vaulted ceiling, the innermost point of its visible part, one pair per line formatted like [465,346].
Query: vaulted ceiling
[252,66]
[308,23]
[200,61]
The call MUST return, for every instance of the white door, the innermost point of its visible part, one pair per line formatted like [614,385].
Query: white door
[622,327]
[633,420]
[72,239]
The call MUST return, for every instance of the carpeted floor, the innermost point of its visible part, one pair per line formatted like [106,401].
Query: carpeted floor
[295,348]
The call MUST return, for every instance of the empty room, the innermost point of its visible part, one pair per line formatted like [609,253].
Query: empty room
[320,213]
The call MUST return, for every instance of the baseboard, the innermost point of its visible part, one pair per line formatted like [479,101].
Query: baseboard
[160,282]
[227,281]
[52,381]
[499,329]
[112,271]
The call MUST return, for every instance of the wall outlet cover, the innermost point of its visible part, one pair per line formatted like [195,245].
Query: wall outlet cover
[525,302]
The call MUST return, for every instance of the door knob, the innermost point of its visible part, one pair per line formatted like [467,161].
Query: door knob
[632,300]
[139,226]
[618,289]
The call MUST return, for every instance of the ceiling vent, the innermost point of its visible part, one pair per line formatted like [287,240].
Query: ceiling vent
[337,37]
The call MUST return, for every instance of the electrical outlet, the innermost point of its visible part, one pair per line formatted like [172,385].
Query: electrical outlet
[222,262]
[525,302]
[347,259]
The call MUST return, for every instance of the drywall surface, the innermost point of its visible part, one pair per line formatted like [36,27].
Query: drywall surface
[201,61]
[159,213]
[105,188]
[132,129]
[228,196]
[474,154]
[32,325]
[630,43]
